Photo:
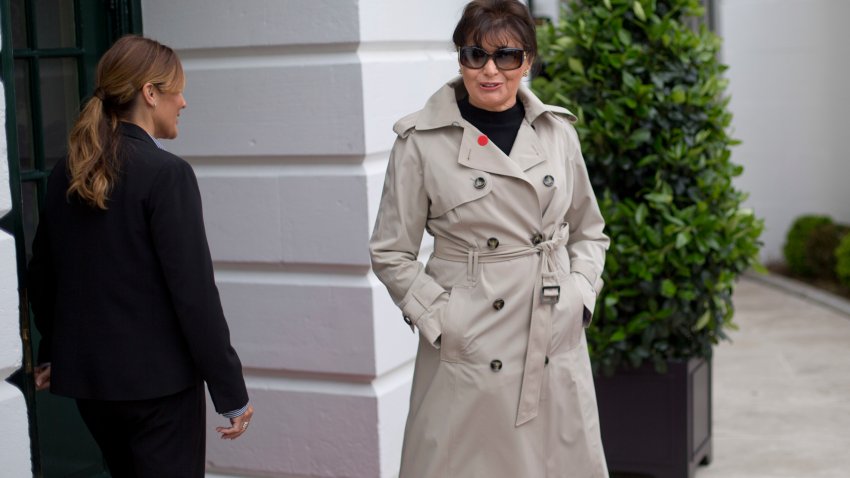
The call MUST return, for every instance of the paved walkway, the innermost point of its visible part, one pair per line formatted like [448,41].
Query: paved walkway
[782,390]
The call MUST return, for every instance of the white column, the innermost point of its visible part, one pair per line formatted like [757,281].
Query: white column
[14,441]
[788,73]
[289,124]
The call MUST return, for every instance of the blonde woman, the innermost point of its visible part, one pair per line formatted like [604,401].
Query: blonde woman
[121,280]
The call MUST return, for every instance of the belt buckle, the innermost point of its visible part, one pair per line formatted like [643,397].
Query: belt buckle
[551,294]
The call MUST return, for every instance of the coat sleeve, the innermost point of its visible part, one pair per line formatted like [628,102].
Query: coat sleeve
[41,289]
[587,243]
[395,242]
[177,230]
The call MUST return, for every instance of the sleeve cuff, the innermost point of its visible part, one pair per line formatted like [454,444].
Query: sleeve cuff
[587,270]
[419,310]
[429,328]
[588,296]
[236,413]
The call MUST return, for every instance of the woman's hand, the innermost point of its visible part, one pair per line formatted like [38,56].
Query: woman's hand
[42,377]
[238,425]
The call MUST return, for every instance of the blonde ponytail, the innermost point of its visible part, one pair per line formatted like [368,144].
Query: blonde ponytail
[93,162]
[92,146]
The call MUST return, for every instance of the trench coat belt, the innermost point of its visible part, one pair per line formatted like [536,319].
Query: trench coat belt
[543,300]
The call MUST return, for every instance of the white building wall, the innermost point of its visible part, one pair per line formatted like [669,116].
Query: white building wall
[289,125]
[788,81]
[14,441]
[550,9]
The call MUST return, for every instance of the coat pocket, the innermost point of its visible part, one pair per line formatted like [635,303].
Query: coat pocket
[567,326]
[452,324]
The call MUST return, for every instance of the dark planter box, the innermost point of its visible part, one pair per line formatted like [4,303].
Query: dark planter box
[656,425]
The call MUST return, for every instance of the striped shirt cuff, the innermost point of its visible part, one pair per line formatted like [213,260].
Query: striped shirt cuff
[236,413]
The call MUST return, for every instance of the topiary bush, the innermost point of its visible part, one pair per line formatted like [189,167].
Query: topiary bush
[649,93]
[820,250]
[842,259]
[797,248]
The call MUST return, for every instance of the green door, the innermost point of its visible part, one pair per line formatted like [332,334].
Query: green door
[49,52]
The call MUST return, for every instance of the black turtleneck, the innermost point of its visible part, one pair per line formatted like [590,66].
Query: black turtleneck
[501,127]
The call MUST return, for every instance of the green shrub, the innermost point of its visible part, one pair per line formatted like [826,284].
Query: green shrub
[842,258]
[820,250]
[653,119]
[797,247]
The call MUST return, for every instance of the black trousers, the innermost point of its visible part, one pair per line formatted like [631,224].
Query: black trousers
[157,438]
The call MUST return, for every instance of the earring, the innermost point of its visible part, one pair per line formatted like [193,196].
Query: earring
[525,73]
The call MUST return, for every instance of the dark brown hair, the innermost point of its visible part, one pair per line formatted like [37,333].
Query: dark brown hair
[496,21]
[93,142]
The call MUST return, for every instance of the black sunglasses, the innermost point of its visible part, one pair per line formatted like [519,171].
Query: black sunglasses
[504,58]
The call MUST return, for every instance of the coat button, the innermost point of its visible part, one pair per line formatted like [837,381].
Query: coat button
[546,362]
[492,243]
[407,320]
[548,180]
[498,304]
[537,239]
[496,365]
[479,182]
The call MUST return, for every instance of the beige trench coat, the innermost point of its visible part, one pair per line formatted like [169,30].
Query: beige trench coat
[502,386]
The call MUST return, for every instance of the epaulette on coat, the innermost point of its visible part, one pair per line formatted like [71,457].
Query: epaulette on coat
[562,112]
[406,125]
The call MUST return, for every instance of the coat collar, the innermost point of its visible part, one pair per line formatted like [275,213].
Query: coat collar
[526,152]
[137,132]
[441,109]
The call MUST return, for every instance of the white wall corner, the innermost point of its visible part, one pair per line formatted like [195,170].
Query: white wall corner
[10,339]
[14,441]
[289,125]
[5,193]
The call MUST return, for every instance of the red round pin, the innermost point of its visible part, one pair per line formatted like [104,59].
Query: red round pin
[483,140]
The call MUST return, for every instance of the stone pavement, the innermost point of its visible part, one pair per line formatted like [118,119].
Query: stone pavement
[782,389]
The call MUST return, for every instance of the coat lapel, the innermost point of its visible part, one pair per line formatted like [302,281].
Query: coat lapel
[485,157]
[527,150]
[525,154]
[441,111]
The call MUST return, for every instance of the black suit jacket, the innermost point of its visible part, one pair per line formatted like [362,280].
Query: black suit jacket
[125,298]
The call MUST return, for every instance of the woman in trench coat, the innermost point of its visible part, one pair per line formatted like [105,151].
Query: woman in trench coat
[502,386]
